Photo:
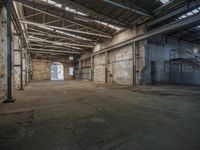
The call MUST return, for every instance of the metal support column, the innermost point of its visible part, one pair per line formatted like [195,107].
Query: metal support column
[9,98]
[181,73]
[26,79]
[79,70]
[134,63]
[21,69]
[91,75]
[106,67]
[170,70]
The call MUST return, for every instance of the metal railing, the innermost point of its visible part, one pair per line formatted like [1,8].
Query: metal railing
[184,54]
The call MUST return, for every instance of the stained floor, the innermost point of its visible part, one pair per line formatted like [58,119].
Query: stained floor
[78,115]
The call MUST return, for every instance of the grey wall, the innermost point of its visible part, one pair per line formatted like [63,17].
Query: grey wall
[158,49]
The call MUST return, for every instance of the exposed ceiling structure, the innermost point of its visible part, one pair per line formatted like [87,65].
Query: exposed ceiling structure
[75,26]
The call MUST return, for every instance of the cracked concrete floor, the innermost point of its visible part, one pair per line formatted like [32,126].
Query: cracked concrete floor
[78,115]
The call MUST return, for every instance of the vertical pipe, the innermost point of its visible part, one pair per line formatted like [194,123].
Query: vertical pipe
[9,56]
[170,71]
[181,73]
[106,67]
[91,61]
[26,79]
[134,63]
[21,69]
[79,70]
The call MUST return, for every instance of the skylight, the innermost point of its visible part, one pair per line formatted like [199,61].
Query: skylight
[198,27]
[164,1]
[109,25]
[84,14]
[54,3]
[190,13]
[100,22]
[75,11]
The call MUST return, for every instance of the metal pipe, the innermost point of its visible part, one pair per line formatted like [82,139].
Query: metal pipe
[91,61]
[106,67]
[134,63]
[21,69]
[9,98]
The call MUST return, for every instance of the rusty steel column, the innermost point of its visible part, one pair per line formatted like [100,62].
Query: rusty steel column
[9,98]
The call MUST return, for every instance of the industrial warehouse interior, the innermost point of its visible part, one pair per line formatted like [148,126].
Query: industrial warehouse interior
[99,74]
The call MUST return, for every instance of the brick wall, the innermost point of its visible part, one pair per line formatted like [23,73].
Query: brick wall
[41,66]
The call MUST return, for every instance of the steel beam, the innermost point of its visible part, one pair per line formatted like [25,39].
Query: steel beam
[44,52]
[50,46]
[163,29]
[174,13]
[64,43]
[102,13]
[38,7]
[65,29]
[52,42]
[53,50]
[61,37]
[9,97]
[64,35]
[137,11]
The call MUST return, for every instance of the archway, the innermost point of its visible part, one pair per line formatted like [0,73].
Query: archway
[57,71]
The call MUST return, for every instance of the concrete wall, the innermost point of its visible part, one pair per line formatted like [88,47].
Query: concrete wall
[120,60]
[99,68]
[16,61]
[41,66]
[3,53]
[158,50]
[184,73]
[120,66]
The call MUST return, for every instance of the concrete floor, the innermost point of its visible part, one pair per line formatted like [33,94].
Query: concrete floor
[77,115]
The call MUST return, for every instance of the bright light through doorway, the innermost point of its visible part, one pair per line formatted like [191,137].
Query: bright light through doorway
[57,71]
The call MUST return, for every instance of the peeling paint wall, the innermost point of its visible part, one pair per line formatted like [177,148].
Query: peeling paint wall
[16,61]
[41,66]
[3,53]
[99,68]
[120,60]
[120,66]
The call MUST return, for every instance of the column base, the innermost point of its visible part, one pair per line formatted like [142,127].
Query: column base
[9,100]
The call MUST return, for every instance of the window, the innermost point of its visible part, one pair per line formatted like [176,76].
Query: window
[54,3]
[164,1]
[71,71]
[71,58]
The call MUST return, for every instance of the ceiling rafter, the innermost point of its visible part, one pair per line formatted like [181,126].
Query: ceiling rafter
[101,13]
[65,29]
[39,40]
[67,43]
[41,7]
[136,9]
[52,50]
[60,37]
[64,36]
[47,45]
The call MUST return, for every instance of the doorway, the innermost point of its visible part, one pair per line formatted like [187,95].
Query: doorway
[57,71]
[153,72]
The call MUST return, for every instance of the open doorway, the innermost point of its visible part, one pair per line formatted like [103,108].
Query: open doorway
[153,72]
[57,71]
